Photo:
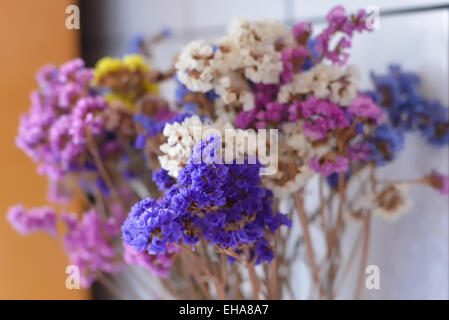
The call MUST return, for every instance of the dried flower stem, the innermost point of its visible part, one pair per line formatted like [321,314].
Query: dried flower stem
[193,270]
[253,276]
[351,258]
[308,241]
[98,163]
[367,228]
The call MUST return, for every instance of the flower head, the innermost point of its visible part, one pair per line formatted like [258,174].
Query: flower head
[27,221]
[90,243]
[223,204]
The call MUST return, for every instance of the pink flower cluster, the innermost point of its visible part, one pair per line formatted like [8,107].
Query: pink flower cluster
[292,60]
[364,107]
[27,221]
[53,132]
[89,243]
[319,116]
[159,264]
[266,108]
[440,182]
[359,151]
[339,22]
[328,167]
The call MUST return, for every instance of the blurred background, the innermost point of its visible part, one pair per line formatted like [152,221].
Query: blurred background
[413,254]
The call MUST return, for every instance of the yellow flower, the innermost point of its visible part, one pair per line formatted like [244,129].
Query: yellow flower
[127,101]
[134,62]
[106,65]
[151,87]
[131,62]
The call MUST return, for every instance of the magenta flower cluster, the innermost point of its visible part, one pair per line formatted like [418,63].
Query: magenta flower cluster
[89,242]
[327,167]
[319,116]
[338,21]
[159,264]
[364,107]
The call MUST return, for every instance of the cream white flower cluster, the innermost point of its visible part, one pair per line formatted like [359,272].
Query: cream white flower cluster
[195,68]
[389,202]
[293,144]
[182,137]
[249,51]
[392,202]
[337,84]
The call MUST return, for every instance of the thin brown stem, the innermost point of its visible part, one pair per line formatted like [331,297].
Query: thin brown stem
[308,242]
[367,228]
[253,276]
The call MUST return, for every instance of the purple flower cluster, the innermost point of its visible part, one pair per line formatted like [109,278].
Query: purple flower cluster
[89,243]
[326,167]
[385,144]
[407,109]
[301,57]
[53,132]
[159,264]
[154,125]
[27,221]
[163,180]
[293,60]
[364,107]
[266,108]
[358,151]
[181,93]
[339,22]
[320,117]
[439,181]
[223,204]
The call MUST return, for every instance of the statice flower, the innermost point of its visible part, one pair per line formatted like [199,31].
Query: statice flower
[407,109]
[321,117]
[339,22]
[53,132]
[136,44]
[62,142]
[364,107]
[223,204]
[86,116]
[326,167]
[159,264]
[266,108]
[126,80]
[435,124]
[384,145]
[27,221]
[293,60]
[90,243]
[256,43]
[438,181]
[359,151]
[333,179]
[337,84]
[153,126]
[391,202]
[181,137]
[162,179]
[302,56]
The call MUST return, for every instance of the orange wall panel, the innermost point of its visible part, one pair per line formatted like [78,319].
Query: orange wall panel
[32,33]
